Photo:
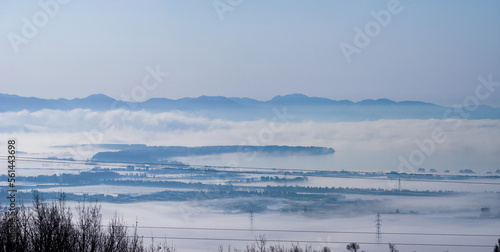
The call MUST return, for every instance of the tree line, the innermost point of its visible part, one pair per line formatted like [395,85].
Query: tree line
[51,226]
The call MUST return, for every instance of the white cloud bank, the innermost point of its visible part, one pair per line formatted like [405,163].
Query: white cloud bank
[40,129]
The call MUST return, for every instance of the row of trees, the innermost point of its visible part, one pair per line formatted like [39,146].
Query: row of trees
[51,227]
[261,246]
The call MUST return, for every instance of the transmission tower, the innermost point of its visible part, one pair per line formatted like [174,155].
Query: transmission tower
[378,224]
[399,183]
[251,217]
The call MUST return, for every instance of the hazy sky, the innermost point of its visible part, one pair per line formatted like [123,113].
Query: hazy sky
[429,50]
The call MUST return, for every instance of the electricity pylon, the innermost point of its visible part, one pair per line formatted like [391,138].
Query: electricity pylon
[378,224]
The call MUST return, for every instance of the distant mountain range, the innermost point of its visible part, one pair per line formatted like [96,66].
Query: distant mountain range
[302,107]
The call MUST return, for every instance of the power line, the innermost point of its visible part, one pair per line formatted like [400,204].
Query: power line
[310,231]
[276,230]
[116,163]
[110,163]
[310,241]
[270,170]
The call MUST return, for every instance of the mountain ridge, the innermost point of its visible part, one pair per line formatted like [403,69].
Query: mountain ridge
[243,109]
[289,99]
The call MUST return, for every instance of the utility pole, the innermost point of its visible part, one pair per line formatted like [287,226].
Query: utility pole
[378,224]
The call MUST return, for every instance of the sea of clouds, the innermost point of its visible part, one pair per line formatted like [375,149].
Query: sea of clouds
[55,127]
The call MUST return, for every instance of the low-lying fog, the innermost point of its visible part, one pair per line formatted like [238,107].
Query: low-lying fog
[435,216]
[359,146]
[367,145]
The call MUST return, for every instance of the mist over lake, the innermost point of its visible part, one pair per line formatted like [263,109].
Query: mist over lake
[179,169]
[366,145]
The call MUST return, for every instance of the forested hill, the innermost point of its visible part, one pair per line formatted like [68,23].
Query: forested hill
[142,153]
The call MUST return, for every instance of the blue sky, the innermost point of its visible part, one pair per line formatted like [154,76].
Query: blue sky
[431,51]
